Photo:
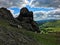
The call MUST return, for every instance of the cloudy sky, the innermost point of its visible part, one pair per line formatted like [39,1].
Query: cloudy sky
[42,9]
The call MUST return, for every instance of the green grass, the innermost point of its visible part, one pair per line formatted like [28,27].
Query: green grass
[53,29]
[51,26]
[42,39]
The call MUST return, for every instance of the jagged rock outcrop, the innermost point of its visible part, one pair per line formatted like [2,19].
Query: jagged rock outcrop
[4,12]
[25,14]
[24,20]
[26,17]
[12,30]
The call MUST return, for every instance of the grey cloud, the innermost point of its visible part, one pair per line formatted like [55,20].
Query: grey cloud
[40,15]
[54,12]
[11,3]
[46,3]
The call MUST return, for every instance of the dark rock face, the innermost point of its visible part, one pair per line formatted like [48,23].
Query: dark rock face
[12,30]
[4,12]
[25,13]
[26,17]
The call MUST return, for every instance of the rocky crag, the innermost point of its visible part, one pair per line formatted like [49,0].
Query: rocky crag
[12,30]
[26,18]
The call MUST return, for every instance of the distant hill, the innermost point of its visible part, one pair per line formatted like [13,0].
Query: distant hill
[45,21]
[53,26]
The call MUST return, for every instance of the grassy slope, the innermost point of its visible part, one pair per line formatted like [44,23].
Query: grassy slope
[42,39]
[52,26]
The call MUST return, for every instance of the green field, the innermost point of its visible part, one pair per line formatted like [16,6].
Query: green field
[52,29]
[51,26]
[44,39]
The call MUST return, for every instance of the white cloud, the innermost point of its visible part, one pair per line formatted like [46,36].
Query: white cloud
[11,3]
[31,2]
[54,12]
[43,15]
[40,15]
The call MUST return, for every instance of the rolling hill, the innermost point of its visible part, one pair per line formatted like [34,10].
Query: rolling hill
[52,26]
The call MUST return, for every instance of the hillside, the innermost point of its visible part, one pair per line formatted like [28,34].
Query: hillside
[14,36]
[52,26]
[18,36]
[13,33]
